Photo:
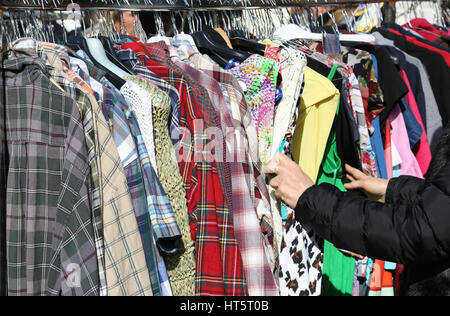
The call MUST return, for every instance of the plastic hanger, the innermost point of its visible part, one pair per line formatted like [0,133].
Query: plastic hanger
[160,29]
[220,54]
[96,49]
[294,32]
[183,36]
[110,53]
[248,45]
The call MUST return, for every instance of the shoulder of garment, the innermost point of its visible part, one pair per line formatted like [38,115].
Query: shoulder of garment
[318,89]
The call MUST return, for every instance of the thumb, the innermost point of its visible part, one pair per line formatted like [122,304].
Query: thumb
[272,165]
[353,185]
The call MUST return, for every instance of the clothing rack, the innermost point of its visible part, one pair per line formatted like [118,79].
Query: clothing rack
[172,5]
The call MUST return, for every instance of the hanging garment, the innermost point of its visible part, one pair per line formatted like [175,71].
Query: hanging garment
[338,268]
[435,65]
[249,190]
[319,102]
[433,120]
[181,266]
[108,102]
[262,226]
[409,165]
[129,58]
[222,151]
[300,255]
[422,148]
[424,28]
[55,68]
[287,111]
[156,197]
[42,136]
[164,225]
[259,75]
[122,241]
[201,180]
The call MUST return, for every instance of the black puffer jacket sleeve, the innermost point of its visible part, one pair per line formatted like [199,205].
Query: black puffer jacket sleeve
[413,226]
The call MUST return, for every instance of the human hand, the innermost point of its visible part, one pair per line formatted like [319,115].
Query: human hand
[289,180]
[374,188]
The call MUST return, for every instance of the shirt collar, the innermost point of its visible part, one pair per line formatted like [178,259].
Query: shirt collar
[318,88]
[127,55]
[60,51]
[155,51]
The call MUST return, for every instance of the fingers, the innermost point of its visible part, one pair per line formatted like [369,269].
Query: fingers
[354,185]
[354,173]
[272,165]
[275,182]
[349,176]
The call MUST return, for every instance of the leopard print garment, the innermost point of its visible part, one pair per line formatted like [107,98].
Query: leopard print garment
[301,260]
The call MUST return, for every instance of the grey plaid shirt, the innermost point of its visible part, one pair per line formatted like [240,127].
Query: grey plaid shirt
[50,241]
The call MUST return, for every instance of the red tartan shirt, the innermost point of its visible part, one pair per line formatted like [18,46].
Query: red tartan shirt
[219,269]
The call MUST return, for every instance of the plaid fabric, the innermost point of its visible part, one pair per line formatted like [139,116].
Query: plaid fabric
[3,184]
[164,282]
[217,110]
[156,197]
[180,265]
[130,161]
[253,230]
[55,66]
[125,265]
[206,203]
[50,239]
[165,227]
[136,185]
[129,58]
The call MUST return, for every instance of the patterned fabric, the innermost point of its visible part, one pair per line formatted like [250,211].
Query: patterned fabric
[272,52]
[129,58]
[366,152]
[285,119]
[247,226]
[362,65]
[156,197]
[259,75]
[165,227]
[201,179]
[181,265]
[217,110]
[129,157]
[303,276]
[50,239]
[139,99]
[125,264]
[55,67]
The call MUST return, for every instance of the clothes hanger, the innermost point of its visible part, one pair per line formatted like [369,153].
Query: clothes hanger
[111,54]
[294,32]
[246,44]
[160,36]
[96,53]
[181,36]
[221,54]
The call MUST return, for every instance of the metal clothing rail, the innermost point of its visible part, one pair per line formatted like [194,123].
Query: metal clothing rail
[170,5]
